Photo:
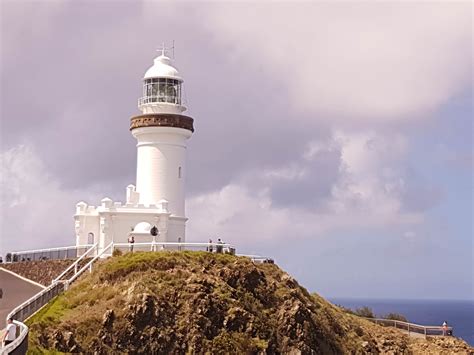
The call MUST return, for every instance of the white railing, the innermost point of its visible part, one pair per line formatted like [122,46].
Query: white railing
[20,344]
[38,301]
[159,246]
[48,254]
[88,265]
[75,264]
[414,328]
[258,258]
[33,304]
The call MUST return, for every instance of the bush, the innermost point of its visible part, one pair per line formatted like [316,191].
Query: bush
[396,316]
[117,252]
[345,309]
[364,312]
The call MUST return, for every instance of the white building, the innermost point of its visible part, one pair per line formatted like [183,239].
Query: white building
[158,198]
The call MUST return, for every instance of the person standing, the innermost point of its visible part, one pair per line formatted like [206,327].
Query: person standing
[154,233]
[219,245]
[209,247]
[10,333]
[131,241]
[445,328]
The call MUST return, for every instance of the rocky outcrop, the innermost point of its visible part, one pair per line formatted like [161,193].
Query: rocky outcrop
[178,303]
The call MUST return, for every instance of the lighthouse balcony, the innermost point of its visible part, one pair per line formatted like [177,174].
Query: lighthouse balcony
[160,104]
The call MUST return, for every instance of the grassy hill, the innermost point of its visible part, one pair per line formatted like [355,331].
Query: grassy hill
[197,302]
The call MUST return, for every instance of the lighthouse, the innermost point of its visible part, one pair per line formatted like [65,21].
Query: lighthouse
[161,132]
[158,197]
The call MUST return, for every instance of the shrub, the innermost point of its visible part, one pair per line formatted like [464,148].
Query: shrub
[345,309]
[396,316]
[364,312]
[117,252]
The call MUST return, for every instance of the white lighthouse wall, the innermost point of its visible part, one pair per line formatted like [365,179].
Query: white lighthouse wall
[177,230]
[161,166]
[114,222]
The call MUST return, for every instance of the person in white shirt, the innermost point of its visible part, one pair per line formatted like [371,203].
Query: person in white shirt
[10,333]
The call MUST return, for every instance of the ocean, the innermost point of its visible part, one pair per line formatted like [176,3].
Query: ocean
[458,314]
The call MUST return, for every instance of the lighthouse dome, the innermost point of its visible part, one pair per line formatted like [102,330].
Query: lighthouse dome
[162,68]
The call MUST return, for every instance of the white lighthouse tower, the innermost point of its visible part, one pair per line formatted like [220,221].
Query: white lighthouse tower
[161,132]
[158,199]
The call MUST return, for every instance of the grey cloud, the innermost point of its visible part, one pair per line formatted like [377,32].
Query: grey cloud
[74,101]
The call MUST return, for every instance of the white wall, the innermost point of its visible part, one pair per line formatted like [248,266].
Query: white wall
[161,151]
[114,224]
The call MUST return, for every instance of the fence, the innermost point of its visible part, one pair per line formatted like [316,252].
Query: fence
[413,328]
[31,306]
[258,259]
[70,252]
[75,265]
[157,246]
[35,303]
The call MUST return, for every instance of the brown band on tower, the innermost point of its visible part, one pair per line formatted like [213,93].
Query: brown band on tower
[162,120]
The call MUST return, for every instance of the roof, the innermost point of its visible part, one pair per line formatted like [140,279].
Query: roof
[162,68]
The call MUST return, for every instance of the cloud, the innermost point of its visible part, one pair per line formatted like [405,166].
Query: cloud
[363,62]
[36,211]
[365,192]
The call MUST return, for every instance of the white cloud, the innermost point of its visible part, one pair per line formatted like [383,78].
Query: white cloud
[36,211]
[367,193]
[372,61]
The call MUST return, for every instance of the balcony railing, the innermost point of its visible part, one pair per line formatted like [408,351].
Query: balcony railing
[70,252]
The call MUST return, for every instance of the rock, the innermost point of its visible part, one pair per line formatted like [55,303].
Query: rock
[108,318]
[204,303]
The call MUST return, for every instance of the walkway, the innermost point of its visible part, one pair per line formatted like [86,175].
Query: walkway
[412,329]
[15,292]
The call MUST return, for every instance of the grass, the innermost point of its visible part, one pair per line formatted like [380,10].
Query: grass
[123,279]
[51,312]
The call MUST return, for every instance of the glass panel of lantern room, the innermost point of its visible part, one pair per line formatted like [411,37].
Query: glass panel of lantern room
[178,90]
[154,89]
[170,91]
[161,90]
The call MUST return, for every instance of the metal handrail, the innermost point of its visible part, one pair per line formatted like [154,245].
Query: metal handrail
[226,245]
[88,265]
[49,293]
[57,253]
[74,265]
[17,312]
[51,249]
[17,342]
[411,327]
[180,245]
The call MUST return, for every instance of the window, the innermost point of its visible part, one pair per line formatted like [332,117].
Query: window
[179,173]
[162,90]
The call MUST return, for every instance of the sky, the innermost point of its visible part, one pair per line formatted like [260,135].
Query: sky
[335,137]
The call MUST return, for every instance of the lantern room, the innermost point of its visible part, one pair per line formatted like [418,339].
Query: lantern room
[162,88]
